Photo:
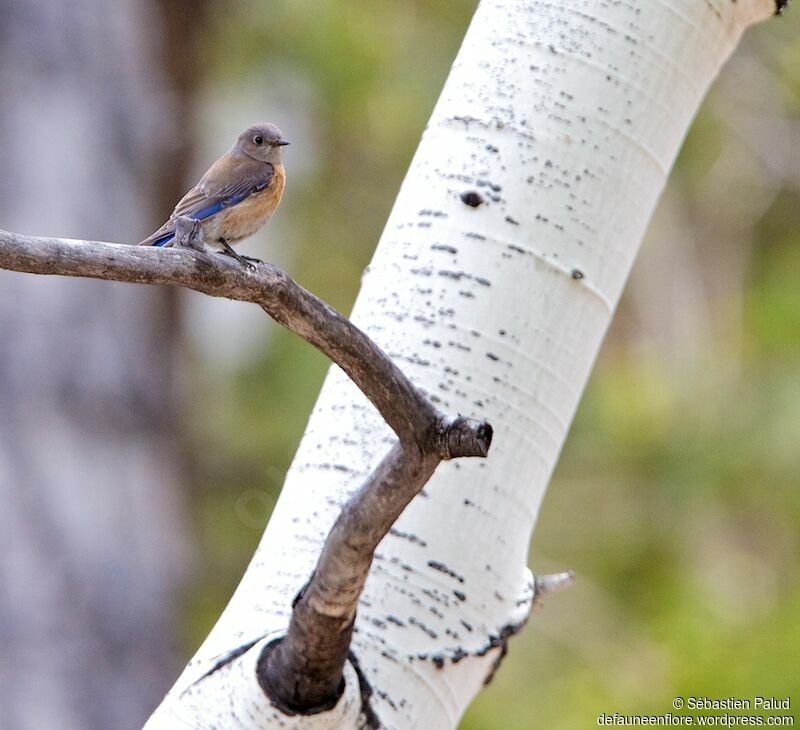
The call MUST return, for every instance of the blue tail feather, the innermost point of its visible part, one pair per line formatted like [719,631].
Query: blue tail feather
[164,240]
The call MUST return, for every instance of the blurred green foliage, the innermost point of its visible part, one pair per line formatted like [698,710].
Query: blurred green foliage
[676,499]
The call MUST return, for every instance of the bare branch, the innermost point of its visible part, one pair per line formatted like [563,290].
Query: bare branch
[303,671]
[544,585]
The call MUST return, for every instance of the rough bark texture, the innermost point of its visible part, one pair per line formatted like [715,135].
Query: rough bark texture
[89,526]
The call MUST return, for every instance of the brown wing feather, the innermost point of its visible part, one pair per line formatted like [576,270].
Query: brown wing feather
[216,187]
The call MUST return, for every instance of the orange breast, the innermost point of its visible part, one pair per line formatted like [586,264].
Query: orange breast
[247,217]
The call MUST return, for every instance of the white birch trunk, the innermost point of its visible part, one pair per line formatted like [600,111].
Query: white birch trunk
[566,118]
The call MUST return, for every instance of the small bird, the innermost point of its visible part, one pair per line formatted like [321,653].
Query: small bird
[237,195]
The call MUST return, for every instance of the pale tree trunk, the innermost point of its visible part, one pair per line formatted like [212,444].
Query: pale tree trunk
[493,285]
[89,523]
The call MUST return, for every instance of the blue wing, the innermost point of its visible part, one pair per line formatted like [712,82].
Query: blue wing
[198,205]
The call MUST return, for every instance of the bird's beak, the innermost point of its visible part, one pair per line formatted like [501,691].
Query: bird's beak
[282,142]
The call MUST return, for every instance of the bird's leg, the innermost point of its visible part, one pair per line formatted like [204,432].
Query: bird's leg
[248,261]
[187,233]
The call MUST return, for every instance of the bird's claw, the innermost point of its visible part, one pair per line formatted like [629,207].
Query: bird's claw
[248,261]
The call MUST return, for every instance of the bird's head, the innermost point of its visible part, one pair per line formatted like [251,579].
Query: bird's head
[262,142]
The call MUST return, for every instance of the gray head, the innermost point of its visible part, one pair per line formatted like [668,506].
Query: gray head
[262,142]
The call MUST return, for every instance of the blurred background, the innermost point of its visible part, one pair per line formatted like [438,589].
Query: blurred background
[135,487]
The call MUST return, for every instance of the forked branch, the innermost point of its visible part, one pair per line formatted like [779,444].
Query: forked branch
[302,672]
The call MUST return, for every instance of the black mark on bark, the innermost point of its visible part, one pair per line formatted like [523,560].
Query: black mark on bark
[472,198]
[371,718]
[442,568]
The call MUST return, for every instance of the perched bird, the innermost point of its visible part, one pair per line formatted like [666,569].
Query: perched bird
[235,197]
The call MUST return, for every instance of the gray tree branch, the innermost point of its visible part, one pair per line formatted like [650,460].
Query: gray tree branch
[302,672]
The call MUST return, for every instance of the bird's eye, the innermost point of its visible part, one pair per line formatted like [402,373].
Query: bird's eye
[258,139]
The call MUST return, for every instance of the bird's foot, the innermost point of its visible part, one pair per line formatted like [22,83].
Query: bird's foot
[187,233]
[252,259]
[247,261]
